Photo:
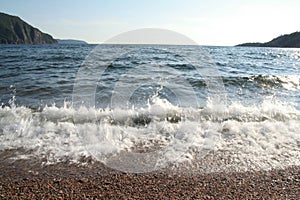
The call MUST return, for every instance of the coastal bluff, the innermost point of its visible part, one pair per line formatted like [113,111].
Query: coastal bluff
[284,41]
[13,30]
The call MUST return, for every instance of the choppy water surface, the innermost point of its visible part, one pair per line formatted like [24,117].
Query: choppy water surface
[172,116]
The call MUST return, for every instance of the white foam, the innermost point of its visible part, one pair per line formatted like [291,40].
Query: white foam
[263,136]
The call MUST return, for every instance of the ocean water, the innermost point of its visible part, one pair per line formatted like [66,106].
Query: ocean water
[140,108]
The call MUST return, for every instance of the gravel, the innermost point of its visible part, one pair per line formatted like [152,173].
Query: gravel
[31,180]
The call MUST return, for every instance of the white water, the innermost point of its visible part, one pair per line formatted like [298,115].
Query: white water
[256,137]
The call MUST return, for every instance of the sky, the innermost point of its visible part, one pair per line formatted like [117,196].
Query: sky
[207,22]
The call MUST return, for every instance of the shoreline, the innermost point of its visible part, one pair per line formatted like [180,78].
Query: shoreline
[30,180]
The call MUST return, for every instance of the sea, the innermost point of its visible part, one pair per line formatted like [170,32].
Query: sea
[142,108]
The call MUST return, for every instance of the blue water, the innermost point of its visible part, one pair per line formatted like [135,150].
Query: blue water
[58,98]
[39,75]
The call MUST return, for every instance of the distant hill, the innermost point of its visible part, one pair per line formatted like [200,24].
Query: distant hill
[285,41]
[14,30]
[70,41]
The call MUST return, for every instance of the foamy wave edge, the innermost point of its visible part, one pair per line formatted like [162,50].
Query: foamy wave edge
[264,136]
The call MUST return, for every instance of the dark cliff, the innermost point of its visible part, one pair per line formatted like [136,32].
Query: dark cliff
[285,41]
[13,30]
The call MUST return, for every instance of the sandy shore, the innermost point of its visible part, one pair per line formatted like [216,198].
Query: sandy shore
[29,180]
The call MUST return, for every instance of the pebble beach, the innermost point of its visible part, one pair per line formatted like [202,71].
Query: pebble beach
[28,180]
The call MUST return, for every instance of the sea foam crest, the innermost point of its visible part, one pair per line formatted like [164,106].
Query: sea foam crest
[262,136]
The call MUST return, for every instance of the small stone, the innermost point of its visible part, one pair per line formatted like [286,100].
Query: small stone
[83,180]
[56,180]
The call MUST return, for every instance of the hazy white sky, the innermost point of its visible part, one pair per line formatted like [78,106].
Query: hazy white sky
[208,22]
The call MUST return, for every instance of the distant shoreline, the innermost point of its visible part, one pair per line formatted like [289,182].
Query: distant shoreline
[70,41]
[284,41]
[14,30]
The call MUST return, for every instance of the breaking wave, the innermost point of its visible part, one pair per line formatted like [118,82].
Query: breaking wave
[253,137]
